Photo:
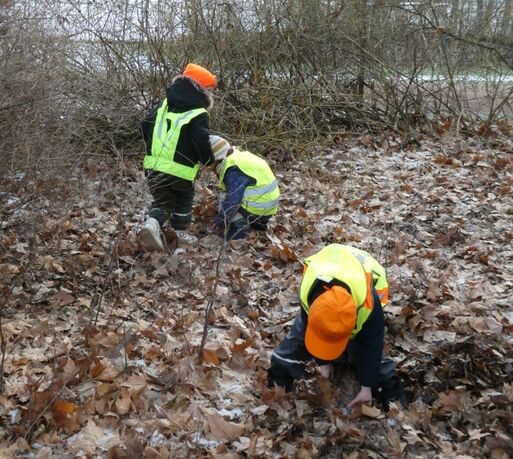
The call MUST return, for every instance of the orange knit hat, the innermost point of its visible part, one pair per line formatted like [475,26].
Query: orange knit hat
[201,76]
[331,319]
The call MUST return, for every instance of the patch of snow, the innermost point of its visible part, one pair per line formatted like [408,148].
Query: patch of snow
[156,439]
[15,416]
[200,440]
[233,414]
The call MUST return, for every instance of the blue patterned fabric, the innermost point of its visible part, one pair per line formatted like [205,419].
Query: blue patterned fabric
[240,221]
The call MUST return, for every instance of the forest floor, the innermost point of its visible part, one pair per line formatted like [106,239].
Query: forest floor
[100,339]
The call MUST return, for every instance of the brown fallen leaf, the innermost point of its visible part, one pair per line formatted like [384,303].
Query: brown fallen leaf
[135,383]
[93,437]
[217,428]
[451,401]
[372,412]
[210,356]
[102,371]
[241,344]
[477,434]
[62,298]
[65,415]
[8,451]
[123,403]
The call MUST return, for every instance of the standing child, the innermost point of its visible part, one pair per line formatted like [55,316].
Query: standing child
[176,133]
[251,190]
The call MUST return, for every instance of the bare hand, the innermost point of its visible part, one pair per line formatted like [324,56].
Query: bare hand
[326,370]
[364,396]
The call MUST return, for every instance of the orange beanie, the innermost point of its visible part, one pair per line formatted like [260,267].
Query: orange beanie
[201,76]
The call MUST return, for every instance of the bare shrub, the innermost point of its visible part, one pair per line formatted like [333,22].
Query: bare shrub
[78,76]
[30,77]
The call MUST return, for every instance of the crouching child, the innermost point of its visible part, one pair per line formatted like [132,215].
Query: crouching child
[342,294]
[251,192]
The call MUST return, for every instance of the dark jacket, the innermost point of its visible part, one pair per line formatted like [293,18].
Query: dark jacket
[193,144]
[365,351]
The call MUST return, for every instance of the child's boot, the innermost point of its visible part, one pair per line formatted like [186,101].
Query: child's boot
[150,235]
[186,237]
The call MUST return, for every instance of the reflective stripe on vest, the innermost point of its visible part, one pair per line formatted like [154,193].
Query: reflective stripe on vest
[374,271]
[164,141]
[355,268]
[261,198]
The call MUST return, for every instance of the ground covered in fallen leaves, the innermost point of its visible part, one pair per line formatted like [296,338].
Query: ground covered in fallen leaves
[100,355]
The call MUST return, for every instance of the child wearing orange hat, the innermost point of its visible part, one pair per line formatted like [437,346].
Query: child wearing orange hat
[342,294]
[176,133]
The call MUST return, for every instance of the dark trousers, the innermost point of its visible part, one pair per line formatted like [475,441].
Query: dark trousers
[172,199]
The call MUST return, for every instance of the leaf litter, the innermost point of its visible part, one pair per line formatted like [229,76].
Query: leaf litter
[102,338]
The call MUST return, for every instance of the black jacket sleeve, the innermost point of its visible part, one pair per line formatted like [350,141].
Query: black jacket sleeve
[288,360]
[368,346]
[147,126]
[200,141]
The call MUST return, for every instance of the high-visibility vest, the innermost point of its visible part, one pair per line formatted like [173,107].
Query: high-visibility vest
[164,141]
[261,198]
[351,266]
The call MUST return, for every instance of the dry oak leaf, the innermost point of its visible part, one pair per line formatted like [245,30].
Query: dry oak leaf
[124,403]
[372,412]
[240,344]
[214,353]
[260,444]
[210,356]
[8,452]
[92,437]
[477,434]
[431,336]
[242,444]
[51,265]
[106,339]
[62,298]
[154,453]
[65,415]
[131,388]
[217,428]
[44,453]
[412,435]
[303,453]
[102,371]
[135,383]
[508,391]
[451,401]
[281,250]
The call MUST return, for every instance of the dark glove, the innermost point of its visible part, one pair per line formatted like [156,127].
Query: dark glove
[388,391]
[279,377]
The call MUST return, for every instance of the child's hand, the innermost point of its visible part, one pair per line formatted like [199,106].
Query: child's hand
[326,370]
[364,396]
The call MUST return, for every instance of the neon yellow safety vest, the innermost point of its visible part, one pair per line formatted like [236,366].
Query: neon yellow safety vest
[261,198]
[355,268]
[164,141]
